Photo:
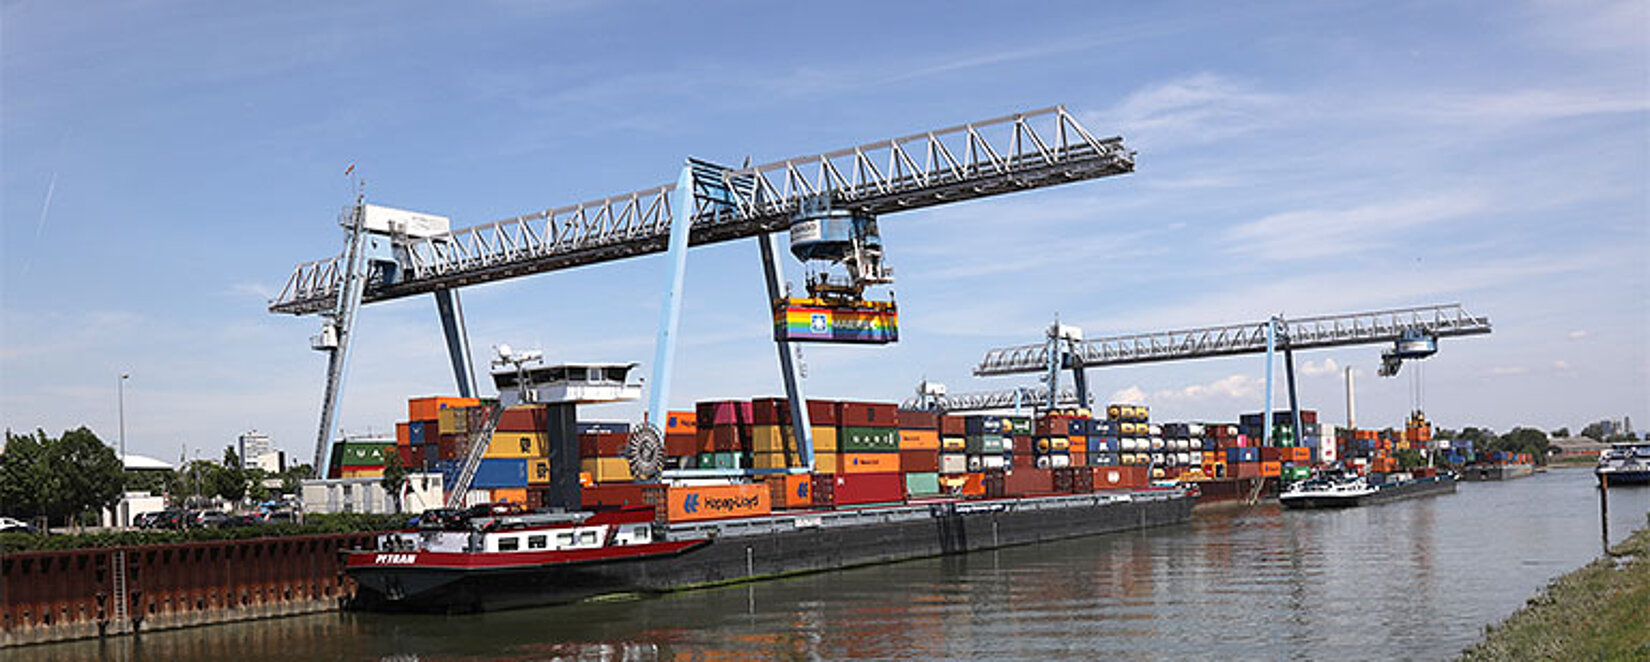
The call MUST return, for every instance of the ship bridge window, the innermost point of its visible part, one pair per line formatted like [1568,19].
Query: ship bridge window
[537,542]
[508,543]
[587,538]
[564,540]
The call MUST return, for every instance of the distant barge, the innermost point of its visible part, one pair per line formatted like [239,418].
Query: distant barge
[1349,492]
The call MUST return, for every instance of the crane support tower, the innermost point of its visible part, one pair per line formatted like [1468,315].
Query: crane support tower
[830,203]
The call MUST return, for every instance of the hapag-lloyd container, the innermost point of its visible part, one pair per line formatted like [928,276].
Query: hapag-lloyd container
[686,504]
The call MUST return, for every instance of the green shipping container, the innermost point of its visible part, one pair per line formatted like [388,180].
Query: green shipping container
[1017,425]
[868,440]
[1296,473]
[984,443]
[363,454]
[922,484]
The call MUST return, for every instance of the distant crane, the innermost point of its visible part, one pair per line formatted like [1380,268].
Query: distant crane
[828,202]
[1414,334]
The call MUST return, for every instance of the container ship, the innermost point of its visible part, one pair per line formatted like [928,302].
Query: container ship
[1624,464]
[886,485]
[1351,490]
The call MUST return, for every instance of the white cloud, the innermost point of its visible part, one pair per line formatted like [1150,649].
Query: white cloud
[1316,233]
[1316,369]
[1578,334]
[1230,387]
[1199,108]
[1503,371]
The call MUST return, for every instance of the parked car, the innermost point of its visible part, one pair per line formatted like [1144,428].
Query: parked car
[280,517]
[212,519]
[12,525]
[241,520]
[171,518]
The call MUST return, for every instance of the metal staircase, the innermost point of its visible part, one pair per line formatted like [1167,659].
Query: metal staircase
[479,439]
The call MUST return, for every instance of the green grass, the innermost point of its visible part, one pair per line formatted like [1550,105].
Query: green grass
[1599,612]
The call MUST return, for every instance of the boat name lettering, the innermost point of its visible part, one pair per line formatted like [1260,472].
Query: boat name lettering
[386,559]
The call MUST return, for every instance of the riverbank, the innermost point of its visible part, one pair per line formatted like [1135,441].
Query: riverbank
[1599,612]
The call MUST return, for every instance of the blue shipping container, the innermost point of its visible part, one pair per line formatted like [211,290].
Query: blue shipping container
[415,433]
[500,473]
[1077,427]
[1102,444]
[1245,454]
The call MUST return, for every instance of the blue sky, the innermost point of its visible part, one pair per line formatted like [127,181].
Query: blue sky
[166,164]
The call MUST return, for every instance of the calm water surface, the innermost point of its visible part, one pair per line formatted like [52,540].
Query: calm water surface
[1409,580]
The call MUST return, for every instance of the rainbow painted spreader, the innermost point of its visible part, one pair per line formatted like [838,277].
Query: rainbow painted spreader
[819,320]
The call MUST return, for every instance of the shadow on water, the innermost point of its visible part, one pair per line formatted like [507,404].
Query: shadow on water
[1415,579]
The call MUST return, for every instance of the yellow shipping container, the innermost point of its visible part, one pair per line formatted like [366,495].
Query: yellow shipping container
[870,463]
[515,445]
[824,440]
[775,460]
[538,471]
[826,463]
[954,444]
[377,472]
[772,438]
[606,469]
[453,421]
[919,440]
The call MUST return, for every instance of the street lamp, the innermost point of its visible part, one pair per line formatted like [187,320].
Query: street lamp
[125,508]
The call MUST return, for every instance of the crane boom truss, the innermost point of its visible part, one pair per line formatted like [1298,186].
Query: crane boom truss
[1023,151]
[1302,333]
[987,400]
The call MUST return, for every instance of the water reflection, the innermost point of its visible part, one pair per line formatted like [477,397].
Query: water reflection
[1409,580]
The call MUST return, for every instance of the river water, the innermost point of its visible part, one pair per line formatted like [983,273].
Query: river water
[1414,579]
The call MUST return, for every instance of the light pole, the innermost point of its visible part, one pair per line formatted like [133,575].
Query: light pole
[125,508]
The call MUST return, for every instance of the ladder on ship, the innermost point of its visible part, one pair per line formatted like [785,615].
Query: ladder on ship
[1254,492]
[479,439]
[120,619]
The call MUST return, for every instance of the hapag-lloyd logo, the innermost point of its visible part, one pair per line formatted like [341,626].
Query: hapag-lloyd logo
[727,504]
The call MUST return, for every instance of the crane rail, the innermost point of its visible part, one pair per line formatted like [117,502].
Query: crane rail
[1017,152]
[1303,333]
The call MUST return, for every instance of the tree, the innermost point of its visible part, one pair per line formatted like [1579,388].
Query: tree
[255,489]
[1411,458]
[229,480]
[1594,431]
[1526,440]
[86,474]
[292,479]
[24,479]
[1561,433]
[395,477]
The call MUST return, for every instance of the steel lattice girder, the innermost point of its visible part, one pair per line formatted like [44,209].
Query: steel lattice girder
[1439,321]
[985,400]
[1018,152]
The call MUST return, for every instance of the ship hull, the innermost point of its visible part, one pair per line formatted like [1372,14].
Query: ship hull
[758,548]
[1624,477]
[1412,489]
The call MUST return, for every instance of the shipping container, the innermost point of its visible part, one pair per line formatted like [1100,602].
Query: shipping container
[524,418]
[953,463]
[860,463]
[600,444]
[922,484]
[825,439]
[403,434]
[919,439]
[687,504]
[538,471]
[678,422]
[866,488]
[618,495]
[499,472]
[868,415]
[429,408]
[919,461]
[606,469]
[1024,481]
[518,445]
[868,439]
[953,426]
[918,420]
[359,453]
[771,438]
[953,444]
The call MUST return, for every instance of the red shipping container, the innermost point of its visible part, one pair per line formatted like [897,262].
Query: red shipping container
[523,419]
[953,426]
[1120,477]
[722,438]
[850,489]
[823,413]
[919,461]
[405,453]
[723,412]
[918,420]
[868,415]
[604,444]
[771,411]
[1050,426]
[1243,469]
[1023,481]
[613,495]
[1024,445]
[1024,460]
[680,445]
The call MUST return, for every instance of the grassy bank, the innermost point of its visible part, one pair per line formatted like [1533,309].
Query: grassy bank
[1599,612]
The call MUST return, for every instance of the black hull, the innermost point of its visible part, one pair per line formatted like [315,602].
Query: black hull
[1626,478]
[733,557]
[1410,490]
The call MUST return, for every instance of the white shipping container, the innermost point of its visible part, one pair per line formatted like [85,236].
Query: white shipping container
[390,220]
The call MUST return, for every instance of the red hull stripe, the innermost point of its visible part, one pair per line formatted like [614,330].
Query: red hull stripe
[499,560]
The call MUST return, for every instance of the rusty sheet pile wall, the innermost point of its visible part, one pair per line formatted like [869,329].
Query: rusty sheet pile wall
[81,593]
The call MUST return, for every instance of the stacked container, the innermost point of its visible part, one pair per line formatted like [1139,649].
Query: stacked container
[601,452]
[919,452]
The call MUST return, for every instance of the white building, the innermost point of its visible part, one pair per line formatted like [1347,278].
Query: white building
[273,462]
[365,495]
[252,444]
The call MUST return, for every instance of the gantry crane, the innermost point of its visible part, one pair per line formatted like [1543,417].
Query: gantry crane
[829,202]
[1413,333]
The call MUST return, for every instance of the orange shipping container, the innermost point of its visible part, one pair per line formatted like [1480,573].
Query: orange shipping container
[919,440]
[429,409]
[512,495]
[970,484]
[688,504]
[403,434]
[1271,469]
[682,421]
[799,491]
[870,463]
